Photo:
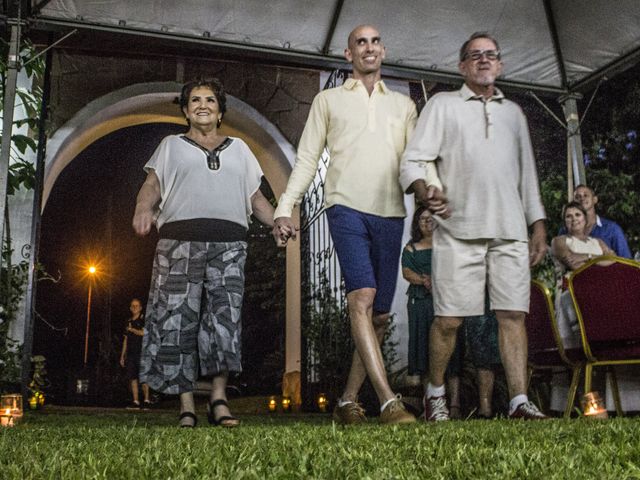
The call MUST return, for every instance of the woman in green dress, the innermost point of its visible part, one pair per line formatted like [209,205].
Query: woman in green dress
[416,269]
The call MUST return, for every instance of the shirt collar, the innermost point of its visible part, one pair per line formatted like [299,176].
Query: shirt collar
[350,84]
[467,94]
[598,221]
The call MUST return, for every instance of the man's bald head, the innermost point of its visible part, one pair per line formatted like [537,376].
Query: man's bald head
[355,33]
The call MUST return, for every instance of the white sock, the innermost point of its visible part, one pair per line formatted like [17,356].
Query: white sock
[516,402]
[342,403]
[433,391]
[385,404]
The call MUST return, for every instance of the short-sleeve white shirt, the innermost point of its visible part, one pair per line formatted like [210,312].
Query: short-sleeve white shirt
[189,189]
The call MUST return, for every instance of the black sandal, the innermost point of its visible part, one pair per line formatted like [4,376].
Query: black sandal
[228,421]
[188,415]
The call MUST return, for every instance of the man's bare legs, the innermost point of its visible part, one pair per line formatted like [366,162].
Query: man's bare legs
[367,332]
[442,343]
[368,356]
[357,373]
[512,339]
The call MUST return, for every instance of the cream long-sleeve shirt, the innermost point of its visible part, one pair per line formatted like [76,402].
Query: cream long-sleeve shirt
[484,159]
[366,135]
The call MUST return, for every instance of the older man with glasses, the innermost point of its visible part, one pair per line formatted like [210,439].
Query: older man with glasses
[470,161]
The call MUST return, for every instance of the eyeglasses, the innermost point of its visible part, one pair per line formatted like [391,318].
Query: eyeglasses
[491,55]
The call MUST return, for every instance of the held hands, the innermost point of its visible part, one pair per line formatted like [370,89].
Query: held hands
[431,197]
[283,230]
[426,281]
[437,202]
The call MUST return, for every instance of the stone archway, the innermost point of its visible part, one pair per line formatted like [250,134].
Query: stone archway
[154,103]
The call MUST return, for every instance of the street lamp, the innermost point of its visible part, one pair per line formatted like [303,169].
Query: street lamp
[92,272]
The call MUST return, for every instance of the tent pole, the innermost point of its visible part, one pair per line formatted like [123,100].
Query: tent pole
[7,120]
[575,162]
[30,297]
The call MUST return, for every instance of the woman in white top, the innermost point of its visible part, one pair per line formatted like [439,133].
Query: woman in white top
[200,191]
[575,248]
[572,251]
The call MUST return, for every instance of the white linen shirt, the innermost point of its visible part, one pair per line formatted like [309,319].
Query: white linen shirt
[366,135]
[485,161]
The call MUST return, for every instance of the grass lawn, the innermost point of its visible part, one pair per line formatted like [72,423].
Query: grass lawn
[72,443]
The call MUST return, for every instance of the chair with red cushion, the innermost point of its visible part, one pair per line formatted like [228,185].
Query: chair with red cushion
[606,296]
[546,350]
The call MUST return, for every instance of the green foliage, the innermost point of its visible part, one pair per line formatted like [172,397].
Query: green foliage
[29,99]
[618,200]
[328,336]
[21,174]
[39,381]
[553,190]
[389,347]
[263,310]
[13,279]
[109,445]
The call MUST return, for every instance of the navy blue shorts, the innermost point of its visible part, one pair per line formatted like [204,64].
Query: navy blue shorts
[368,248]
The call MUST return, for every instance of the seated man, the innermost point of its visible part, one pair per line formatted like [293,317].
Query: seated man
[597,226]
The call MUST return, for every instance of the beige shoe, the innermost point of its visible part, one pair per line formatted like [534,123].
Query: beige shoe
[350,413]
[395,413]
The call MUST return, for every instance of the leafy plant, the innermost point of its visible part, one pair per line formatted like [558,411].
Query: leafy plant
[328,336]
[21,174]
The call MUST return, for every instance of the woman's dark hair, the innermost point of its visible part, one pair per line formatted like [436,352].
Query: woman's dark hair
[573,205]
[416,234]
[209,82]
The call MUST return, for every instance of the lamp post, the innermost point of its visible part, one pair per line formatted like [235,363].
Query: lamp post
[92,271]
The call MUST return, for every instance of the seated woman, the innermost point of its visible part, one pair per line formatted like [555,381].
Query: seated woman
[572,251]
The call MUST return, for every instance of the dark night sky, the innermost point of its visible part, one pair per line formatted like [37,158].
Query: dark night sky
[76,222]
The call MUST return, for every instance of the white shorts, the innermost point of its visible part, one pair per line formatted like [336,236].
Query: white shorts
[462,269]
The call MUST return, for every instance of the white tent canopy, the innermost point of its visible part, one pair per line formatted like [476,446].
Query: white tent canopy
[560,46]
[547,44]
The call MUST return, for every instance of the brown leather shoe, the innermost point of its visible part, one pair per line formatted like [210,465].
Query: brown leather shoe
[395,413]
[350,413]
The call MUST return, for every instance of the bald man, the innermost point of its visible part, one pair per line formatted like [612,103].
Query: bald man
[365,126]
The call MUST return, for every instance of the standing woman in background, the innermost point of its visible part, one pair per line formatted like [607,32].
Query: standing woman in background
[130,354]
[416,269]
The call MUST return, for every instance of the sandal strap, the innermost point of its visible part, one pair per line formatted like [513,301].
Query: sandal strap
[218,403]
[190,415]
